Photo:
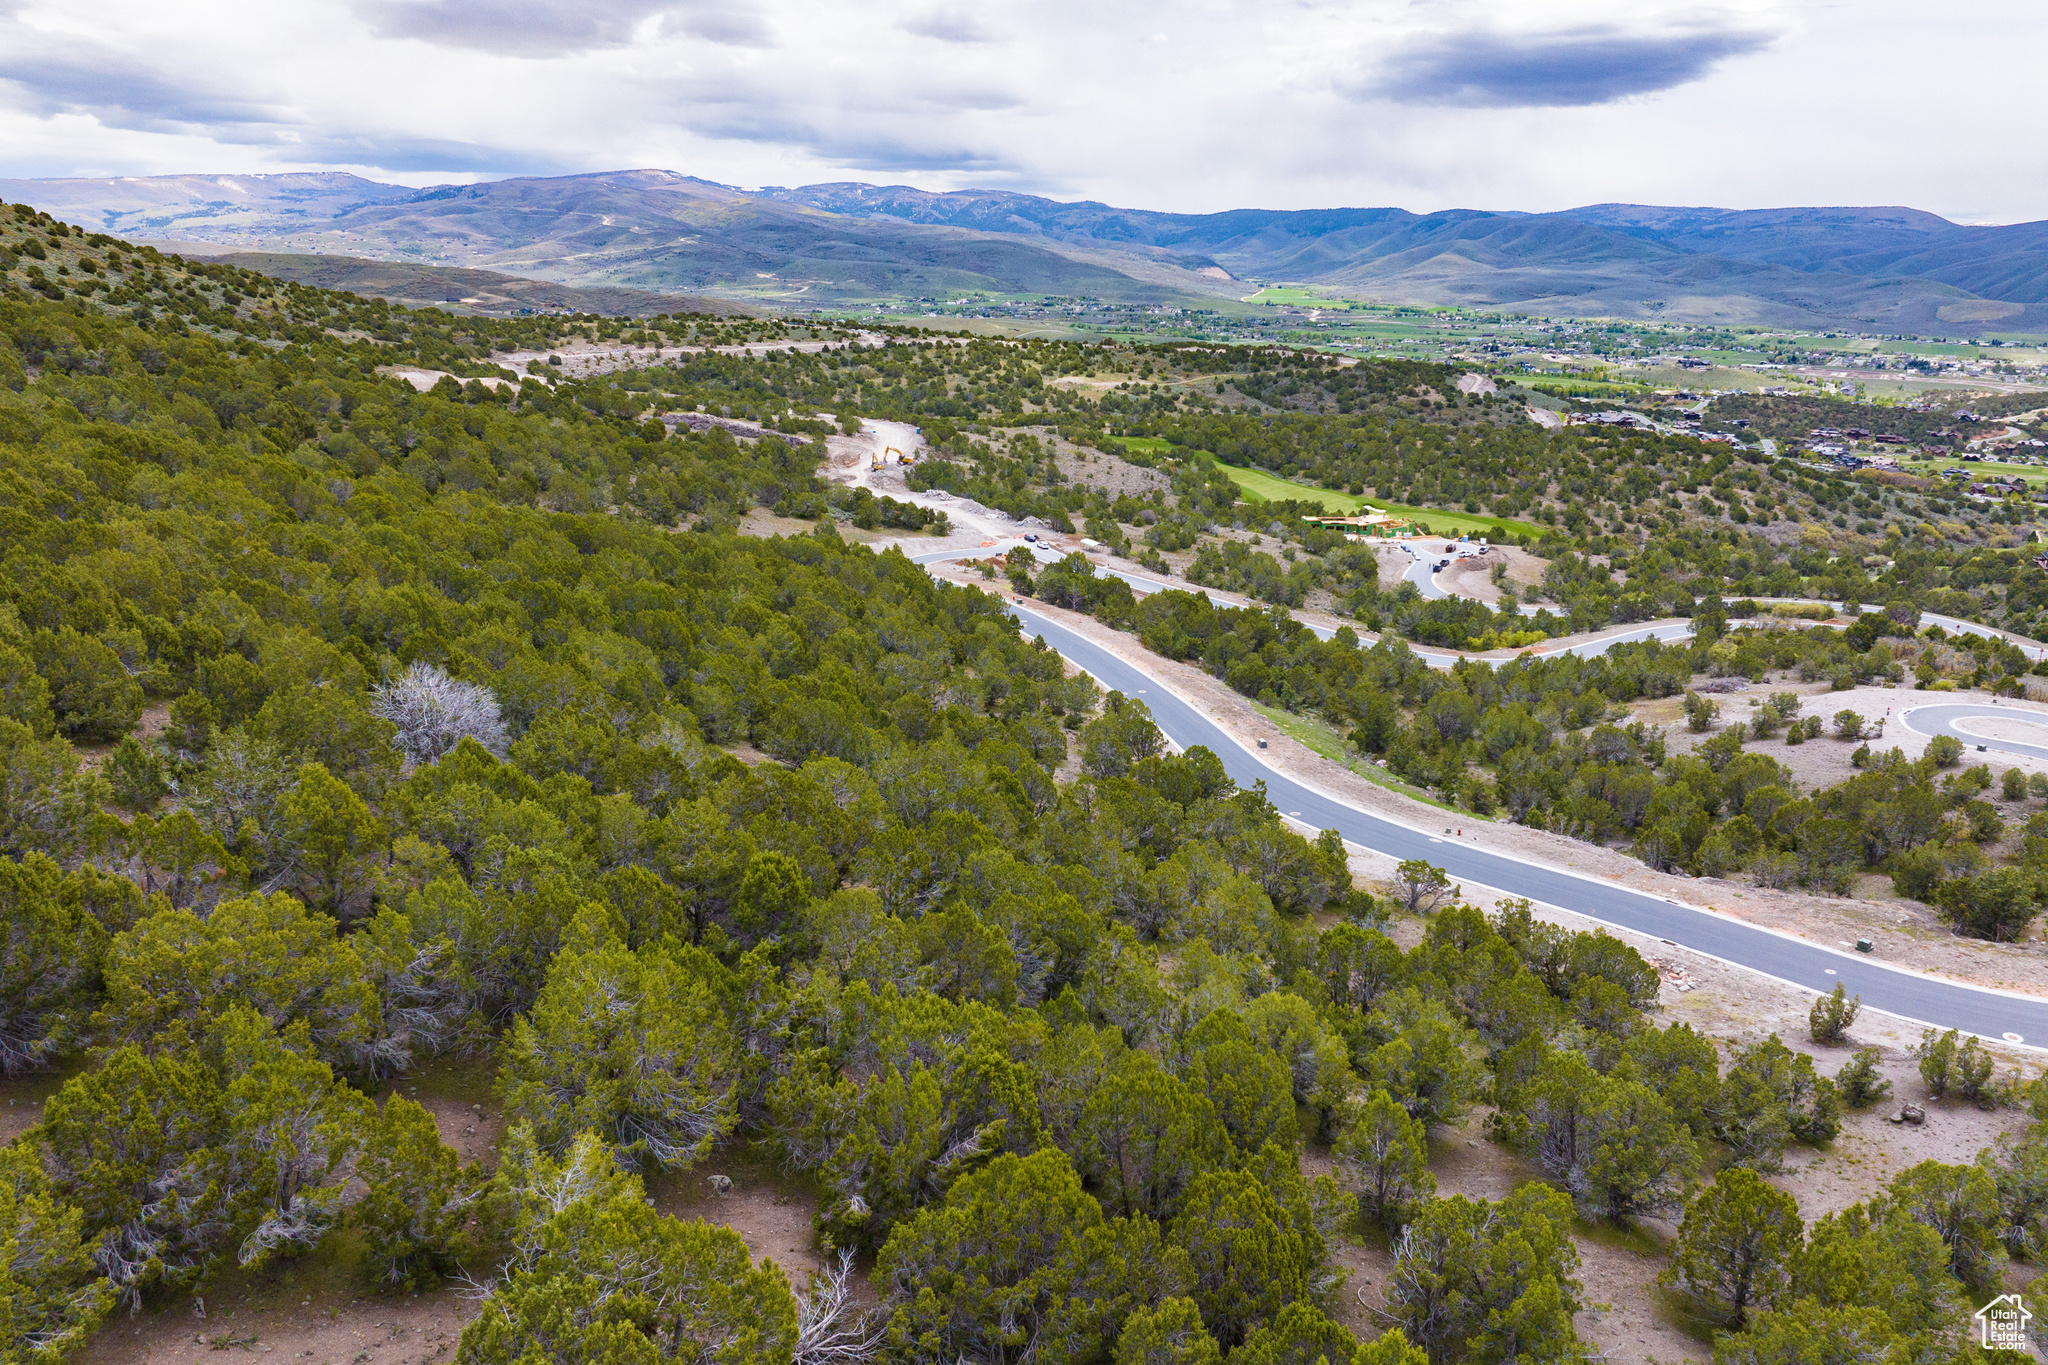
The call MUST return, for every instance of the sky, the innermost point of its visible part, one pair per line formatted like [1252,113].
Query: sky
[1193,106]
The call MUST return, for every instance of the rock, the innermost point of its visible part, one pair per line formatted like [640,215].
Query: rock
[721,1185]
[1899,1117]
[1913,1113]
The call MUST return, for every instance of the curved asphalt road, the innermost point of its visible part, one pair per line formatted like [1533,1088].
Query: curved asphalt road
[1940,719]
[1993,1014]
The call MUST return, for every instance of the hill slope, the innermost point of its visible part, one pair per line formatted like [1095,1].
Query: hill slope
[1894,269]
[466,291]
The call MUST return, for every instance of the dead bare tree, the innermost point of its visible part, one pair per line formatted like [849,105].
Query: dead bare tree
[435,712]
[830,1330]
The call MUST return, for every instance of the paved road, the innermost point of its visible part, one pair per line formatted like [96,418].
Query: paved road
[1422,573]
[1939,718]
[1793,961]
[1664,630]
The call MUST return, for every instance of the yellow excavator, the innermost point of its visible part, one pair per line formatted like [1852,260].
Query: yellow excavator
[875,462]
[901,458]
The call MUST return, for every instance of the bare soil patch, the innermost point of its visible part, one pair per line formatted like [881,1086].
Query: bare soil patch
[771,1210]
[321,1309]
[1105,470]
[1473,576]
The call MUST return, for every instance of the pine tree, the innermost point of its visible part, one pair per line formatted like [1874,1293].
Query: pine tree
[625,1045]
[419,1197]
[1736,1246]
[52,1295]
[1385,1152]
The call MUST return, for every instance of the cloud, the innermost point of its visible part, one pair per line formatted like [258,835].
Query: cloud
[948,26]
[734,26]
[554,28]
[121,92]
[43,77]
[403,155]
[1596,64]
[832,142]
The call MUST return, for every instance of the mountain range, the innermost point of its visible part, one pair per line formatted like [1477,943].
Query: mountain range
[1888,269]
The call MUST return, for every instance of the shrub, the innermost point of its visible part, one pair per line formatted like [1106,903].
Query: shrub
[1997,905]
[1859,1081]
[92,694]
[1951,1063]
[136,775]
[1832,1014]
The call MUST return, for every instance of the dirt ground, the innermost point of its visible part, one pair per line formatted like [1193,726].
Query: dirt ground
[1100,469]
[1473,577]
[764,523]
[767,1207]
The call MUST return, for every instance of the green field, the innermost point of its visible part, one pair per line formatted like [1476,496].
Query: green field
[1979,470]
[1259,486]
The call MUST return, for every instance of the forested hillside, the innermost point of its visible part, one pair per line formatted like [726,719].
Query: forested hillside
[345,726]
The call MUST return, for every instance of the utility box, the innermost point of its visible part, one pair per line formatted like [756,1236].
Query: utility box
[1862,945]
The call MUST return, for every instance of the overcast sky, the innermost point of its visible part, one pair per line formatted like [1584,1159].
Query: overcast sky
[1195,106]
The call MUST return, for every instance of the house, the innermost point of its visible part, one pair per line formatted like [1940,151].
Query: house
[1886,438]
[1368,525]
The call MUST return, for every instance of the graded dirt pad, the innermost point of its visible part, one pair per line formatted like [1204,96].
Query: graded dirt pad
[1473,577]
[1394,561]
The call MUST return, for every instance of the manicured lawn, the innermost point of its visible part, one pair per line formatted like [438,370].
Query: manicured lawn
[1979,470]
[1259,486]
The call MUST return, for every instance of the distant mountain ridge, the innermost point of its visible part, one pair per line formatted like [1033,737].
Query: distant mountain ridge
[1882,268]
